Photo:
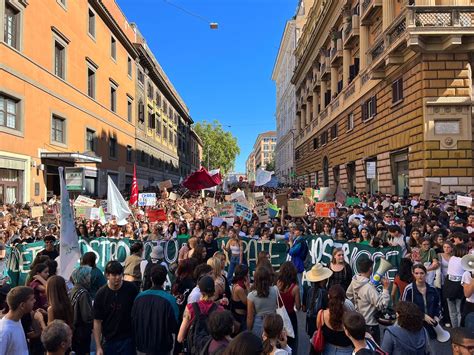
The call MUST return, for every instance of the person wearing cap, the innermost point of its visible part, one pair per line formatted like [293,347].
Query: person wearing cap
[205,305]
[157,257]
[317,296]
[49,247]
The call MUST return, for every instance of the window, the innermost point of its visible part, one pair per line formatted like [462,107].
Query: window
[158,126]
[369,108]
[129,67]
[315,143]
[129,153]
[129,110]
[9,113]
[324,138]
[397,90]
[11,26]
[350,121]
[113,97]
[141,112]
[151,119]
[141,77]
[91,82]
[150,91]
[113,48]
[158,99]
[91,23]
[265,147]
[59,60]
[165,106]
[165,132]
[90,140]
[58,126]
[113,147]
[334,131]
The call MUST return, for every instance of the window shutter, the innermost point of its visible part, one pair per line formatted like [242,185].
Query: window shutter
[394,92]
[374,103]
[400,89]
[364,111]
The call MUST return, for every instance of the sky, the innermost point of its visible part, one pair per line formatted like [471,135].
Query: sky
[222,74]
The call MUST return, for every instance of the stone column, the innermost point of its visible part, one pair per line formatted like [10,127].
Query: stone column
[388,13]
[303,117]
[364,44]
[315,104]
[323,92]
[346,62]
[298,122]
[309,108]
[334,77]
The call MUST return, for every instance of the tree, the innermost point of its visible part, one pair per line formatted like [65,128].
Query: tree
[270,165]
[219,147]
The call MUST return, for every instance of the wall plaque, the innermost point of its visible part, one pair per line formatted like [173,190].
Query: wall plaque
[447,127]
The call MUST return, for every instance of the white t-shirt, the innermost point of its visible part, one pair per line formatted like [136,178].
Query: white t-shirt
[12,338]
[454,267]
[195,295]
[466,280]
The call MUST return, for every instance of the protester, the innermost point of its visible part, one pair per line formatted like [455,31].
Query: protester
[355,329]
[238,299]
[462,341]
[234,249]
[132,270]
[274,337]
[245,343]
[56,338]
[365,297]
[157,257]
[155,316]
[97,277]
[49,249]
[221,326]
[21,301]
[298,252]
[37,280]
[402,279]
[453,290]
[317,297]
[407,336]
[112,313]
[341,271]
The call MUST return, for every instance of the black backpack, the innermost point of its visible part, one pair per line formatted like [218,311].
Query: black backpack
[198,334]
[315,301]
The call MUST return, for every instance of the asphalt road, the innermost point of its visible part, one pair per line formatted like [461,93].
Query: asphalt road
[304,345]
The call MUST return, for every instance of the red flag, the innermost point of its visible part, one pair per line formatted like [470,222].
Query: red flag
[134,194]
[201,179]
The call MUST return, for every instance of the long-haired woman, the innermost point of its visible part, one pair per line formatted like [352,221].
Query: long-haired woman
[341,271]
[402,279]
[239,292]
[275,341]
[261,301]
[453,290]
[330,321]
[287,283]
[37,280]
[219,282]
[59,305]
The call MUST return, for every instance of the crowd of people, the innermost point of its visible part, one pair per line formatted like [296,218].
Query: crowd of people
[218,304]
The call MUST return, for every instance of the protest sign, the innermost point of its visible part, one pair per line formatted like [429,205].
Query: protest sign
[238,196]
[243,211]
[49,218]
[83,212]
[229,220]
[296,208]
[210,202]
[158,215]
[273,210]
[95,213]
[84,201]
[226,210]
[168,184]
[147,199]
[217,221]
[316,194]
[326,194]
[173,196]
[308,193]
[36,211]
[465,201]
[103,204]
[20,258]
[282,200]
[323,209]
[431,190]
[352,201]
[261,208]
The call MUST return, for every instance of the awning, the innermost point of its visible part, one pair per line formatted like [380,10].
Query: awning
[77,157]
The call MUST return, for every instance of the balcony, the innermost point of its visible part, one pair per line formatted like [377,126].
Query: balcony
[438,28]
[377,58]
[395,41]
[316,79]
[369,7]
[351,32]
[336,54]
[325,69]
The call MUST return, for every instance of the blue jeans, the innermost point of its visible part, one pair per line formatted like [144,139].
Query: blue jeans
[257,328]
[234,261]
[119,347]
[330,349]
[300,284]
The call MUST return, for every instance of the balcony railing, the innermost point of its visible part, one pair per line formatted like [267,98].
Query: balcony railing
[377,50]
[368,8]
[441,16]
[351,32]
[397,31]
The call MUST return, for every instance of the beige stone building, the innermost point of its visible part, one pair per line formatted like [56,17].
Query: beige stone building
[262,153]
[383,92]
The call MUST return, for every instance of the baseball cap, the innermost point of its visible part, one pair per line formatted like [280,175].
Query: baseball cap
[157,252]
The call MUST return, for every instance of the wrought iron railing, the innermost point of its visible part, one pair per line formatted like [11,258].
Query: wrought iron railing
[441,16]
[378,50]
[397,31]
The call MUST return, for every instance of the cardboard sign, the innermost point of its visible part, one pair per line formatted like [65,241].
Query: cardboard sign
[95,213]
[84,201]
[431,190]
[49,218]
[261,208]
[465,201]
[352,201]
[326,194]
[157,215]
[167,184]
[103,204]
[238,196]
[147,199]
[316,195]
[36,211]
[83,212]
[243,211]
[226,209]
[296,208]
[173,196]
[324,209]
[282,200]
[217,221]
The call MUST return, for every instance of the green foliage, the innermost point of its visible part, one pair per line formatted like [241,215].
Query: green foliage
[219,147]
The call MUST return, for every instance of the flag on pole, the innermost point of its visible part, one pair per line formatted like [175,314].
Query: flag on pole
[69,253]
[116,204]
[262,177]
[134,194]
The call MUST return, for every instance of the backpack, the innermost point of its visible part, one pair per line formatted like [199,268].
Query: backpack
[198,334]
[218,351]
[314,303]
[375,347]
